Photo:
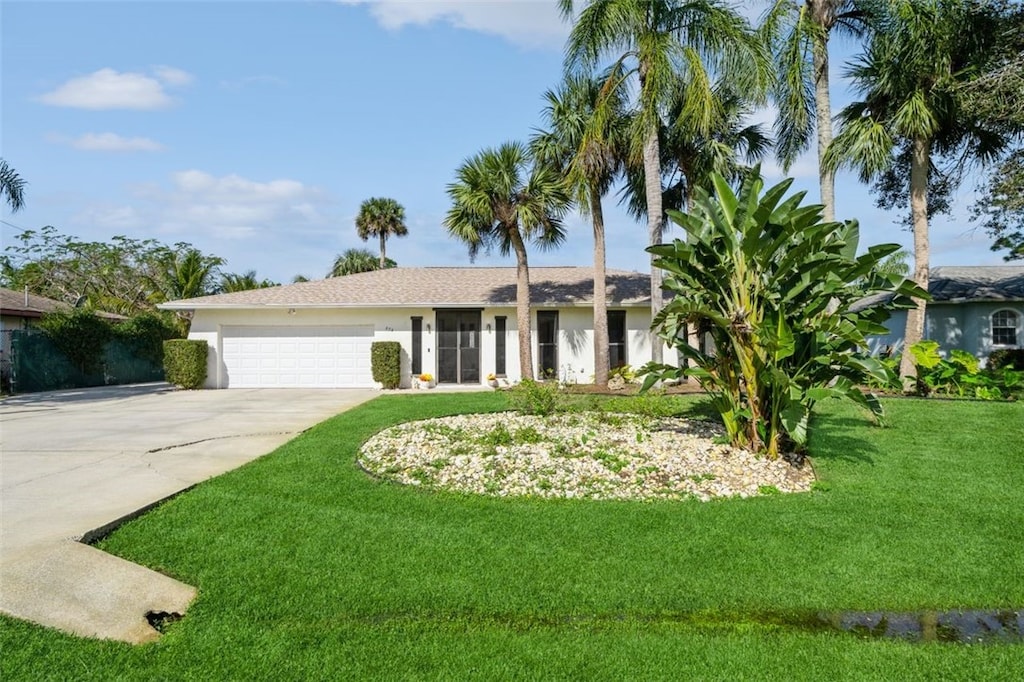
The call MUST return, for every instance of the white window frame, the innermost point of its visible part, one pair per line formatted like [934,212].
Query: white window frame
[1016,319]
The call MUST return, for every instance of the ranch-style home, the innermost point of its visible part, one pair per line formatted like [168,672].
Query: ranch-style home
[978,309]
[455,323]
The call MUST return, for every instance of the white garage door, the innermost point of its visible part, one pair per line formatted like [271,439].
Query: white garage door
[297,357]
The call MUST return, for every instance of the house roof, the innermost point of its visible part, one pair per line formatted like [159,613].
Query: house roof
[21,304]
[435,287]
[977,283]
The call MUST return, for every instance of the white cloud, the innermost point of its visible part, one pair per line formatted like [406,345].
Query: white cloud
[108,142]
[529,23]
[173,76]
[110,89]
[231,206]
[114,218]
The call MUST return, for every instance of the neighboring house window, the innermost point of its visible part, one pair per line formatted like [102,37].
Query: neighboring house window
[547,342]
[417,345]
[1004,328]
[616,339]
[499,345]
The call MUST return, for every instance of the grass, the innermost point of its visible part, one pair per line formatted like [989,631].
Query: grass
[307,568]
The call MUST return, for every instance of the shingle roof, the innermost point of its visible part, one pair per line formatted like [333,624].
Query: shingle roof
[414,287]
[27,305]
[977,283]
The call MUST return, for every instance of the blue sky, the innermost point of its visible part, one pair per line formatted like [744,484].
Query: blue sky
[255,129]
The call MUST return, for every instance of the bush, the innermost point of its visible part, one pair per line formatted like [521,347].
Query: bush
[961,377]
[80,335]
[386,363]
[535,397]
[1007,357]
[185,362]
[144,336]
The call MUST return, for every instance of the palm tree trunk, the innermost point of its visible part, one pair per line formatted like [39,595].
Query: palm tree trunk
[652,188]
[383,241]
[600,291]
[523,305]
[914,330]
[823,118]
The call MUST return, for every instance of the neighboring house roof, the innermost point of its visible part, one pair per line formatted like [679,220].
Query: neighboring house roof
[21,304]
[440,287]
[966,284]
[977,283]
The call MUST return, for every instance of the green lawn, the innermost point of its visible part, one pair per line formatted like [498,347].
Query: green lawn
[308,569]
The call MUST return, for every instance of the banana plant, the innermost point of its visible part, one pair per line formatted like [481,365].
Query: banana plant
[785,299]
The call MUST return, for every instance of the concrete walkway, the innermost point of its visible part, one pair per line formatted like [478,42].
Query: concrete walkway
[76,462]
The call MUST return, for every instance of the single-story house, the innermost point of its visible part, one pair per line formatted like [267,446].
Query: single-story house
[455,323]
[978,309]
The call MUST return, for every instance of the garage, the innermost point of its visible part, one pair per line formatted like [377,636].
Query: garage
[296,357]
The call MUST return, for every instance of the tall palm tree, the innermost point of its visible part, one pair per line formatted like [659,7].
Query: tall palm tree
[799,33]
[381,217]
[690,155]
[654,40]
[584,141]
[502,198]
[354,261]
[911,76]
[12,186]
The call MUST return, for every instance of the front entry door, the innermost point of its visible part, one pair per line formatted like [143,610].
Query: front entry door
[458,346]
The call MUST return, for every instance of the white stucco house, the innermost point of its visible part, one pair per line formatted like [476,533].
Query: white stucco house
[456,323]
[978,309]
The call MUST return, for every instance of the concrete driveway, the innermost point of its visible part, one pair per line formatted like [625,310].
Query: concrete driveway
[74,462]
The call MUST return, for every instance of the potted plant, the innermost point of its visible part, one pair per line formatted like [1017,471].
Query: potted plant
[427,380]
[492,380]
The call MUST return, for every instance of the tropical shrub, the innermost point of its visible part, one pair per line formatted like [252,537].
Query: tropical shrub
[386,363]
[961,376]
[535,397]
[185,362]
[776,288]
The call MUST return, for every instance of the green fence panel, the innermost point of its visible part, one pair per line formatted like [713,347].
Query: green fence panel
[38,365]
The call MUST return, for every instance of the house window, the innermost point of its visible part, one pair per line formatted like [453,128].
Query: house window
[499,345]
[1004,328]
[616,339]
[417,345]
[547,343]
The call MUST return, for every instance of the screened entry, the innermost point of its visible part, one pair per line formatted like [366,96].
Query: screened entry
[458,346]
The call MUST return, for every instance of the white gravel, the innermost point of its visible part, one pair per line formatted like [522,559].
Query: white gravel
[589,455]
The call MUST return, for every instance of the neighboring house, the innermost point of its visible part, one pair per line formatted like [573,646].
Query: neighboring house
[978,309]
[458,324]
[20,310]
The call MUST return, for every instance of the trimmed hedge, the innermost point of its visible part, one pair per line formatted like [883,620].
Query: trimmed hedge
[185,362]
[1006,357]
[386,363]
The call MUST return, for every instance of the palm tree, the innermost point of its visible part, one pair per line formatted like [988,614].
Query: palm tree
[499,199]
[231,282]
[584,141]
[12,186]
[655,40]
[799,35]
[187,273]
[911,76]
[354,261]
[689,155]
[381,217]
